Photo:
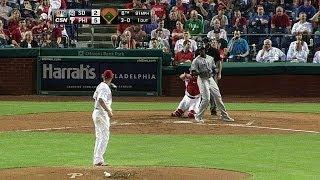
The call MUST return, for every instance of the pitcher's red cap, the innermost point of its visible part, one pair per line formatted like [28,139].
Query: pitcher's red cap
[108,74]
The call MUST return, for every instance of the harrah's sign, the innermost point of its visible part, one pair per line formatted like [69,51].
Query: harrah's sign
[81,72]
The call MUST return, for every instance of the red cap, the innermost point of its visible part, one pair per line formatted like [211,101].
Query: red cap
[108,74]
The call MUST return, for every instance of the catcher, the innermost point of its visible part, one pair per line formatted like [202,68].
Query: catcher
[191,98]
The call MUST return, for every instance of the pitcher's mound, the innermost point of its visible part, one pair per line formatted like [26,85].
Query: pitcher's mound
[146,173]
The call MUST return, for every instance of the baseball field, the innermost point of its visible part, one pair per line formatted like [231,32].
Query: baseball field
[48,137]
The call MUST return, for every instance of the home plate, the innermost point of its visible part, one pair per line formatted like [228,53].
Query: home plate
[183,122]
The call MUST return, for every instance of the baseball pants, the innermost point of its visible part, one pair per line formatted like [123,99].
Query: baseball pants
[189,104]
[101,122]
[207,87]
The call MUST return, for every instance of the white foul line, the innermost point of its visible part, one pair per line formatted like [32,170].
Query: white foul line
[248,125]
[272,128]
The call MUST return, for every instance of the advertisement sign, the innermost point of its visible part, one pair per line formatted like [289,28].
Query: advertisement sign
[76,74]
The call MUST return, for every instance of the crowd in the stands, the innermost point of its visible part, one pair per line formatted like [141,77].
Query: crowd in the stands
[28,23]
[241,30]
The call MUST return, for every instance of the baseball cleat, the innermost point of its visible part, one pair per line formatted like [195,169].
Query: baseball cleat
[199,120]
[101,164]
[213,112]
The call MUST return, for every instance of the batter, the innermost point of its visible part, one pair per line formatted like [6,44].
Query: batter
[203,66]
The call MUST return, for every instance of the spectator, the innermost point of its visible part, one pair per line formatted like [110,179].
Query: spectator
[216,28]
[160,9]
[216,35]
[244,6]
[23,27]
[185,55]
[212,9]
[194,24]
[239,22]
[126,41]
[221,17]
[163,43]
[307,8]
[14,4]
[280,22]
[3,36]
[177,33]
[316,58]
[316,21]
[137,34]
[268,5]
[13,27]
[49,42]
[259,22]
[136,4]
[269,53]
[171,22]
[123,45]
[44,7]
[180,16]
[154,44]
[4,10]
[181,7]
[153,25]
[28,42]
[238,48]
[298,50]
[166,32]
[27,11]
[302,26]
[5,33]
[3,41]
[201,8]
[179,44]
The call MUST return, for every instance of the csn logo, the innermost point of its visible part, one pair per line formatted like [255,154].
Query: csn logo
[82,72]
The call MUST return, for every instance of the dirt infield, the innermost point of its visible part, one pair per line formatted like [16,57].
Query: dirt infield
[151,122]
[132,173]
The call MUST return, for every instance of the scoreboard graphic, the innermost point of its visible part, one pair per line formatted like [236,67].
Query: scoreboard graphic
[105,15]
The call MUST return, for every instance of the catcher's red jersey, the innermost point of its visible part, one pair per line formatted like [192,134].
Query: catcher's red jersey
[192,86]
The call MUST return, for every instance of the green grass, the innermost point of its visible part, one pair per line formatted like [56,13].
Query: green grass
[23,107]
[263,156]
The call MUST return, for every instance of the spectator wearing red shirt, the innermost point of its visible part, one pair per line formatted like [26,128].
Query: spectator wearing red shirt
[136,4]
[57,34]
[160,9]
[185,55]
[239,22]
[181,7]
[177,33]
[13,27]
[44,7]
[280,22]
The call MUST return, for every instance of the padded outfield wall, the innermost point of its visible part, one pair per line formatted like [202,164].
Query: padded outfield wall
[19,74]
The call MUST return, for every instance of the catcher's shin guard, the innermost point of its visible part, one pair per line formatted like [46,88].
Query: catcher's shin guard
[177,113]
[191,114]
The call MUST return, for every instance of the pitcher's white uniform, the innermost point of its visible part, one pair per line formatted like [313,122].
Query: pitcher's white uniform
[190,100]
[101,121]
[207,85]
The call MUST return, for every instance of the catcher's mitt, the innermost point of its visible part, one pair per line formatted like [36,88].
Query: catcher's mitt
[113,87]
